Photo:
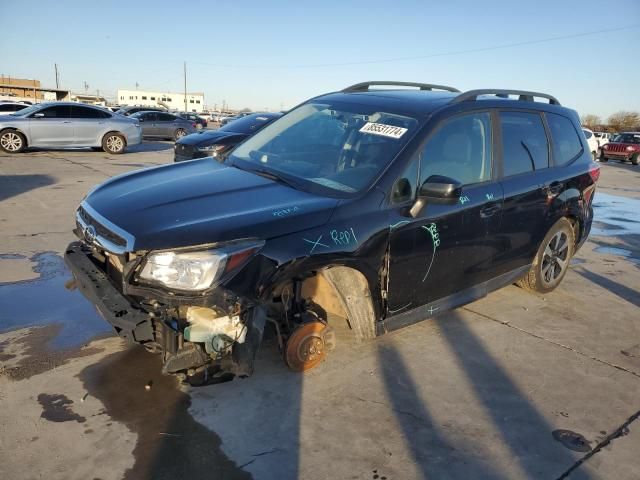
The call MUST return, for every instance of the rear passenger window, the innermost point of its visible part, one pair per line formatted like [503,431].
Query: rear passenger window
[524,142]
[566,142]
[165,117]
[84,112]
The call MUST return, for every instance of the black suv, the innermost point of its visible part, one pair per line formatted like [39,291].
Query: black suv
[382,207]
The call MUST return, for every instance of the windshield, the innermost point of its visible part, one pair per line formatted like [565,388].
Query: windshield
[27,111]
[338,147]
[628,138]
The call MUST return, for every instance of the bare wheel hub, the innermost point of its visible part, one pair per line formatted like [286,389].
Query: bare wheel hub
[306,346]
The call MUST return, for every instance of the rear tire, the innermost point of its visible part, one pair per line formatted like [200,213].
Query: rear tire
[113,143]
[636,159]
[179,134]
[12,141]
[552,260]
[603,158]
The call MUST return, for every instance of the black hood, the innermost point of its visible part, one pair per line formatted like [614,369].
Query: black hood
[200,201]
[209,137]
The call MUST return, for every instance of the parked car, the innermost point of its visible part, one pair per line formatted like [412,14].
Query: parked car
[194,118]
[216,143]
[10,107]
[383,209]
[67,124]
[624,147]
[603,138]
[594,147]
[126,111]
[233,118]
[164,125]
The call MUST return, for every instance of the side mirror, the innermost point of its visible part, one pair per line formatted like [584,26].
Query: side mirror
[38,115]
[141,119]
[436,189]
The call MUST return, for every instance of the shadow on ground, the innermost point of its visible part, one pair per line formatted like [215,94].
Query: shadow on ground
[13,185]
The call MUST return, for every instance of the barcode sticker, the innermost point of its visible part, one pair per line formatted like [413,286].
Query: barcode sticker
[383,130]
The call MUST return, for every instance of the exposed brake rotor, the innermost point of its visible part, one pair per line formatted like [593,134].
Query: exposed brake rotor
[306,346]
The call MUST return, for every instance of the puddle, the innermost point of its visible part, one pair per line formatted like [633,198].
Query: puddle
[170,444]
[615,215]
[620,252]
[45,301]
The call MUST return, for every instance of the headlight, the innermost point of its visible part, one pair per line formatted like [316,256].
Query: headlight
[630,148]
[196,270]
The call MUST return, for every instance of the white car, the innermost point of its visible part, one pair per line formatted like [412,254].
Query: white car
[603,138]
[594,147]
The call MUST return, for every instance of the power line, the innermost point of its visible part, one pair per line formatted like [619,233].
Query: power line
[430,55]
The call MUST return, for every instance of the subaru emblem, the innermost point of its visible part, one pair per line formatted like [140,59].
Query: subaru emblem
[90,234]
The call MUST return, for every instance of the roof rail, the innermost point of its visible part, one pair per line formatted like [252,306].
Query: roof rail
[523,95]
[364,86]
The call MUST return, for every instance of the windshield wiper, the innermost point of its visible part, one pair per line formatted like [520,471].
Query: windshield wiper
[263,172]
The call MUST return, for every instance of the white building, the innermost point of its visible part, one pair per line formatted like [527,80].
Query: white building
[170,100]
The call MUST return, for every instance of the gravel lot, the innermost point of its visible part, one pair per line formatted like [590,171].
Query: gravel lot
[512,386]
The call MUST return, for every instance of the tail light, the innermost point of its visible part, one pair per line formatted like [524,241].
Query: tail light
[594,173]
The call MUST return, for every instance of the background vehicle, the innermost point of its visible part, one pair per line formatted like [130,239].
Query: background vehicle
[10,107]
[67,124]
[215,143]
[126,111]
[624,147]
[164,125]
[594,147]
[384,209]
[230,119]
[197,119]
[603,138]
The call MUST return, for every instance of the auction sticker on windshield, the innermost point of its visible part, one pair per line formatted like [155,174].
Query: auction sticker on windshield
[383,130]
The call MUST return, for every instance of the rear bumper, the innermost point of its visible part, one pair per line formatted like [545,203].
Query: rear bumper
[128,322]
[134,136]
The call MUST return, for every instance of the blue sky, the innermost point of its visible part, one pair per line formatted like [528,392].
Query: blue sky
[274,54]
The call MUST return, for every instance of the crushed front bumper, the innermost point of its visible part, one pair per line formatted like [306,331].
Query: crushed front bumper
[129,323]
[151,330]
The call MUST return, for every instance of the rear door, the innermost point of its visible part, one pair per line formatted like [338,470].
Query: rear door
[53,128]
[88,124]
[167,124]
[529,188]
[447,247]
[149,124]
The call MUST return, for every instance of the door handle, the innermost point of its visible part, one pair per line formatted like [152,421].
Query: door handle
[489,210]
[553,189]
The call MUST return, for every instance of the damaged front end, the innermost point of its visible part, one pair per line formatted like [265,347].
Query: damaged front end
[173,302]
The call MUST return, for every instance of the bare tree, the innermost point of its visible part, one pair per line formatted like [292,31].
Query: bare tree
[621,121]
[590,121]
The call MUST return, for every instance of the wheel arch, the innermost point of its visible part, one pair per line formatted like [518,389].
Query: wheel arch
[20,131]
[118,132]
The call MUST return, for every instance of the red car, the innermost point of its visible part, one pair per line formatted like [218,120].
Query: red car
[624,147]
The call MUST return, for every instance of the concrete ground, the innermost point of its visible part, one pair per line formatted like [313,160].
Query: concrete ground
[512,386]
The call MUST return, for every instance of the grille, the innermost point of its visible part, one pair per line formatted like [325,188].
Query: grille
[616,147]
[101,230]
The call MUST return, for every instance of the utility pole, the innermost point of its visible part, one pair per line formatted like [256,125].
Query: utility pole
[86,87]
[185,87]
[57,76]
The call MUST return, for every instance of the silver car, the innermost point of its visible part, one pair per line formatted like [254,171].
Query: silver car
[67,124]
[164,125]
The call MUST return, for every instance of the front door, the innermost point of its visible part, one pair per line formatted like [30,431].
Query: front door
[447,248]
[51,126]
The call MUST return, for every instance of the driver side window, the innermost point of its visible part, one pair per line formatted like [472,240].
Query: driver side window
[460,149]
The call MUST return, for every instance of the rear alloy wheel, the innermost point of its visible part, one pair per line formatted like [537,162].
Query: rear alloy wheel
[552,260]
[179,134]
[113,143]
[603,158]
[12,141]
